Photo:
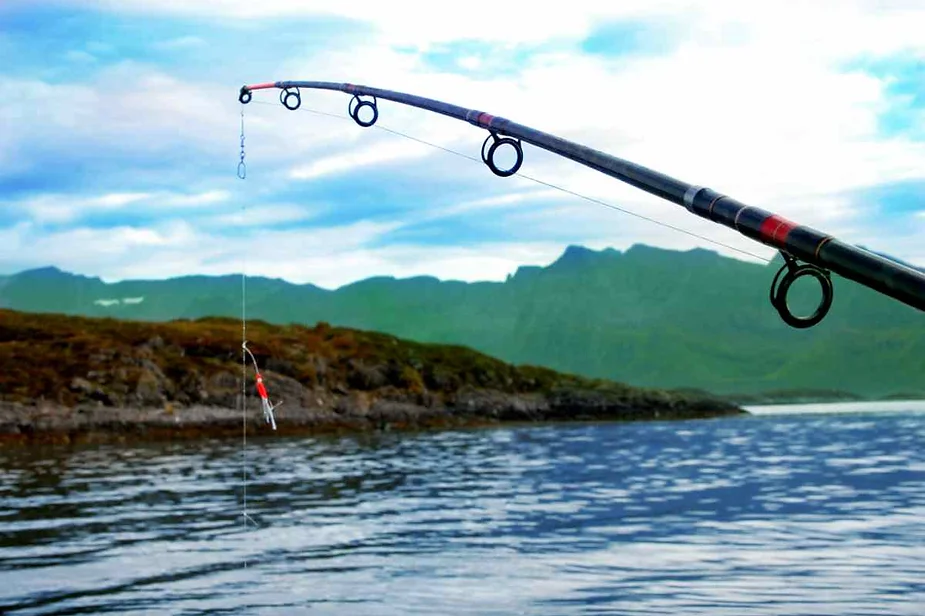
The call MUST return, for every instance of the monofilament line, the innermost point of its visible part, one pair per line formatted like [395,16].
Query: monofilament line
[243,352]
[242,173]
[541,182]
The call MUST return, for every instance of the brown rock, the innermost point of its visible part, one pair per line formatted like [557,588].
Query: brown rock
[365,377]
[223,380]
[149,391]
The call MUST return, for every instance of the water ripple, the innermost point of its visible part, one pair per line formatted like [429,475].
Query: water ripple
[781,514]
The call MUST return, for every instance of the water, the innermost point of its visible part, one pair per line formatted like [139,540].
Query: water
[771,514]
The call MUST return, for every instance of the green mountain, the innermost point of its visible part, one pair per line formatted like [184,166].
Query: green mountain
[646,316]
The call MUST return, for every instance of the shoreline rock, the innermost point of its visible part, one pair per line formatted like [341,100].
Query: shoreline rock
[66,379]
[46,422]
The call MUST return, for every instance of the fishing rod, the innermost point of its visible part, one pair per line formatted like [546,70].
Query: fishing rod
[821,253]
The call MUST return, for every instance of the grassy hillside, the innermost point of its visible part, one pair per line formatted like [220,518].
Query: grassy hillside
[647,316]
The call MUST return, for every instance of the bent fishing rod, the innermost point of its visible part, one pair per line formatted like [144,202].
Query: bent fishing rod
[821,253]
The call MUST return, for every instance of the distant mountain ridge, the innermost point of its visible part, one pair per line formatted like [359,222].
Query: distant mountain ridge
[645,316]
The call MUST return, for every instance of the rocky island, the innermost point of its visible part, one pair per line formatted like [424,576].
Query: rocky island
[67,379]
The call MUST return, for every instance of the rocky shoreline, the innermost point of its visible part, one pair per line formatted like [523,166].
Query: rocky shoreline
[70,379]
[45,422]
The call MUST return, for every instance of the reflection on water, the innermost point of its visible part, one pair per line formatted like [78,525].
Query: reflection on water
[762,515]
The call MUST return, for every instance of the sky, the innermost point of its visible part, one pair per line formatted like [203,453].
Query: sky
[121,131]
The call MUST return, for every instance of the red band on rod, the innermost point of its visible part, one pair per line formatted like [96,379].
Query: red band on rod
[262,86]
[776,229]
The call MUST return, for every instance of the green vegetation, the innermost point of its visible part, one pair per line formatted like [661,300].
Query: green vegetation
[59,373]
[43,355]
[651,317]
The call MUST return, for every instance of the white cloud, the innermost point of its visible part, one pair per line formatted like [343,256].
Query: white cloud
[183,43]
[385,152]
[66,208]
[209,197]
[753,101]
[405,20]
[504,200]
[116,200]
[783,129]
[110,118]
[825,27]
[177,247]
[299,256]
[261,215]
[79,56]
[28,245]
[470,62]
[62,209]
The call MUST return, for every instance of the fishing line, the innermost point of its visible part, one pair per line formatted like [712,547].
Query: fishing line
[245,353]
[537,181]
[242,173]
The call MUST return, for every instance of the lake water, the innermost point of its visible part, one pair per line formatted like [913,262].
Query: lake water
[784,512]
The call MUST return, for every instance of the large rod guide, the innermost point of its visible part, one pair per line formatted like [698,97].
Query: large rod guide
[820,253]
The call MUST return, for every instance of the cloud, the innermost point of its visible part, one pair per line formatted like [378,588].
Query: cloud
[391,151]
[260,216]
[28,245]
[505,200]
[60,209]
[748,99]
[851,26]
[122,117]
[182,43]
[757,140]
[210,197]
[403,20]
[68,208]
[164,250]
[127,253]
[79,56]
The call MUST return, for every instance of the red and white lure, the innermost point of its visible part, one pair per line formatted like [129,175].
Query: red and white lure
[262,391]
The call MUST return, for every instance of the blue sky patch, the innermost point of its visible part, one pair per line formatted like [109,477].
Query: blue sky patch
[905,90]
[461,230]
[482,59]
[68,44]
[624,38]
[896,199]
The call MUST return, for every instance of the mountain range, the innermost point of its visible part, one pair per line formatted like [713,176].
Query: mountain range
[646,316]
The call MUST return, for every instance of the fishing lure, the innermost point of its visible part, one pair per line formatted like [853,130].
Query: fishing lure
[268,407]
